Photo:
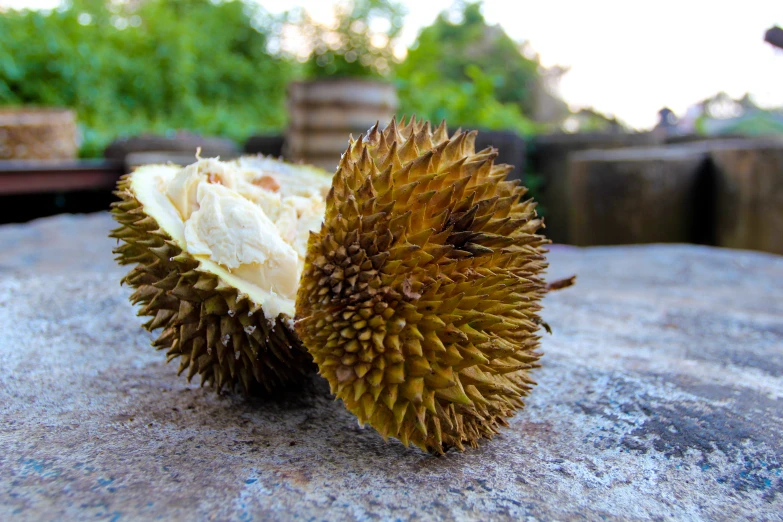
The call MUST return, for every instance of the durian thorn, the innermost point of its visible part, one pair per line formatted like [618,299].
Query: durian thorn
[373,134]
[391,132]
[441,133]
[402,124]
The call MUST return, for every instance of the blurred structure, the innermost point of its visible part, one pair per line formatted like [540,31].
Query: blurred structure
[150,66]
[265,144]
[30,133]
[589,120]
[511,148]
[667,123]
[774,36]
[548,106]
[39,172]
[179,148]
[722,115]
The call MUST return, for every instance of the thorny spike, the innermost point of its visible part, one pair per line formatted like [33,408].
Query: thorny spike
[440,134]
[373,134]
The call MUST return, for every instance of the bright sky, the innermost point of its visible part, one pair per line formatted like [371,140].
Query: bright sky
[627,59]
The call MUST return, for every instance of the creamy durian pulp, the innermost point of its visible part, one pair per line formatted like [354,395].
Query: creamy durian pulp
[245,221]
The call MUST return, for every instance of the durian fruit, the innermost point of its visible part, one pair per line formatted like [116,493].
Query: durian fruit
[420,295]
[217,250]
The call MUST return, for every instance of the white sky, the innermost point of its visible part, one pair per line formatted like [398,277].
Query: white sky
[626,58]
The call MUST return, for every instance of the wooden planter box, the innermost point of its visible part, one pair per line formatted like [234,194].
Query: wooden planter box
[324,112]
[28,133]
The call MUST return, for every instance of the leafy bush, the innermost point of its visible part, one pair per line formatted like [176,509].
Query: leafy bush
[471,103]
[153,66]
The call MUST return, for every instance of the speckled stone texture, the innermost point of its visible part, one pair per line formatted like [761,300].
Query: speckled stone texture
[660,397]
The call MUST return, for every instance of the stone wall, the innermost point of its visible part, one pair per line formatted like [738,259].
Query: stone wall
[715,192]
[638,195]
[549,156]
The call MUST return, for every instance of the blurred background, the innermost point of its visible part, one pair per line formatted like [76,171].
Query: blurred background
[629,124]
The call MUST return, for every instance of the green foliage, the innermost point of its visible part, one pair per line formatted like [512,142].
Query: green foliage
[347,49]
[471,72]
[157,66]
[590,120]
[153,66]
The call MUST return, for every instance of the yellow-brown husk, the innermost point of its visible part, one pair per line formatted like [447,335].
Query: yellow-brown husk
[420,294]
[216,331]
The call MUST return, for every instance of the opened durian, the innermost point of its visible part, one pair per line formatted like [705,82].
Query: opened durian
[219,248]
[417,293]
[420,293]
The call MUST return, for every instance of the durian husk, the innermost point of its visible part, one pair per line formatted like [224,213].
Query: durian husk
[420,295]
[215,330]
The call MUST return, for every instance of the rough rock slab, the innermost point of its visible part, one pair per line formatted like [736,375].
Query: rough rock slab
[660,397]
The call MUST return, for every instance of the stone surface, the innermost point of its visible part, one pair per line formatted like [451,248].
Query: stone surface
[69,243]
[660,397]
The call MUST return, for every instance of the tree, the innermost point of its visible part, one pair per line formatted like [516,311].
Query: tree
[468,72]
[358,44]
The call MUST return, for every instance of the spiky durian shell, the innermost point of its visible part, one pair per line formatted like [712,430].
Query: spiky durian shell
[216,331]
[419,296]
